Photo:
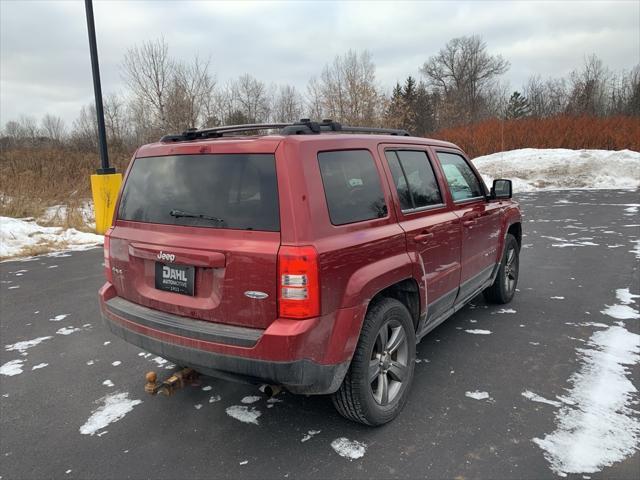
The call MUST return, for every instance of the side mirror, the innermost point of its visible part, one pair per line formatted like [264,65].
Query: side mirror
[501,189]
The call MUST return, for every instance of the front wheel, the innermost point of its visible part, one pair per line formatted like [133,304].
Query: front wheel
[504,286]
[377,384]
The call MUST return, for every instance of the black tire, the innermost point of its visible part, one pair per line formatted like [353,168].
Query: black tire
[362,400]
[504,286]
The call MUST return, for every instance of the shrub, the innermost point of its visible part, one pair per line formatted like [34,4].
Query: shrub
[494,135]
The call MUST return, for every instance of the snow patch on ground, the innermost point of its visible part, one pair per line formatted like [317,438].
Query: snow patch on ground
[67,330]
[625,296]
[533,169]
[59,318]
[251,399]
[310,434]
[14,367]
[351,449]
[60,213]
[477,395]
[17,235]
[478,331]
[108,383]
[39,366]
[504,310]
[244,414]
[25,345]
[597,426]
[621,312]
[114,407]
[534,397]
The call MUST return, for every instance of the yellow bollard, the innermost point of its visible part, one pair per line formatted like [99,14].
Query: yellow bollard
[105,190]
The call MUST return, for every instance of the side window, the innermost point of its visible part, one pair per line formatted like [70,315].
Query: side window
[463,183]
[414,179]
[351,186]
[399,180]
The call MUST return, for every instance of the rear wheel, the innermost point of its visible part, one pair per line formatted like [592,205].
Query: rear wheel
[377,384]
[504,286]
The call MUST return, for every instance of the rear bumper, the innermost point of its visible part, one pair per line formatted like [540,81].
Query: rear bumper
[306,356]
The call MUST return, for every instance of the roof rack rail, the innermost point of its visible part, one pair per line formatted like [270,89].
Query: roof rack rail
[216,132]
[304,127]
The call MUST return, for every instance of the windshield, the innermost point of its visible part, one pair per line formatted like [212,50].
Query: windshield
[216,191]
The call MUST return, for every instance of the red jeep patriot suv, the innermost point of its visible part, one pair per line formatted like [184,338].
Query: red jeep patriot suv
[314,258]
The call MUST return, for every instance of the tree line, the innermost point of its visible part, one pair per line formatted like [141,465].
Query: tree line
[460,85]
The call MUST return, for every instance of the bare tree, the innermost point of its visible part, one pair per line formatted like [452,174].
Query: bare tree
[251,97]
[347,90]
[29,127]
[633,98]
[314,101]
[53,127]
[190,95]
[287,105]
[85,130]
[464,73]
[148,71]
[12,129]
[589,88]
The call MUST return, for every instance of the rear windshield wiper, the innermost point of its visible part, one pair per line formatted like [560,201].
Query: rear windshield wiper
[181,213]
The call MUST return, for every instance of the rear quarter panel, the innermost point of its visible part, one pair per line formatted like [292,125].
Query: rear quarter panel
[356,260]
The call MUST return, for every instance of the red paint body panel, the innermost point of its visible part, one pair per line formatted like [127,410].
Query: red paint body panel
[438,248]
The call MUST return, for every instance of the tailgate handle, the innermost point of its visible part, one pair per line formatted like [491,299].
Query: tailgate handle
[197,258]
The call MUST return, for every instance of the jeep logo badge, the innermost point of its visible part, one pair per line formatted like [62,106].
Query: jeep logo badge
[255,295]
[169,257]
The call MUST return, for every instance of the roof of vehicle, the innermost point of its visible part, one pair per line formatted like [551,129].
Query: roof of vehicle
[219,140]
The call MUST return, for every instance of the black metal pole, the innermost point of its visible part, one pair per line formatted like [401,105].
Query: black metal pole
[97,90]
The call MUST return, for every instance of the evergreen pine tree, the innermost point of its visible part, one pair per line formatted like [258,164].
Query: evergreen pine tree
[517,107]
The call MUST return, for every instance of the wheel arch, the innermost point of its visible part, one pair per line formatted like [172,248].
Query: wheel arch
[406,292]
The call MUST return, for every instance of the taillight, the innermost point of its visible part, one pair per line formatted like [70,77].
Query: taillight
[107,262]
[298,282]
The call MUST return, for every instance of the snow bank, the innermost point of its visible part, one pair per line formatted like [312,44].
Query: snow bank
[60,212]
[533,169]
[18,235]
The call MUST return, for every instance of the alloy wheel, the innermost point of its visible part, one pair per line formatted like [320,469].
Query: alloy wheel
[388,368]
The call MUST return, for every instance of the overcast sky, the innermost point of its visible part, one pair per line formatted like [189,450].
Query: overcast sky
[45,66]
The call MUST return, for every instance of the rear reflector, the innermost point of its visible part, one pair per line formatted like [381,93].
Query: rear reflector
[107,261]
[299,288]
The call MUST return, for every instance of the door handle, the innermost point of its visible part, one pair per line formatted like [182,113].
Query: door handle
[469,223]
[423,237]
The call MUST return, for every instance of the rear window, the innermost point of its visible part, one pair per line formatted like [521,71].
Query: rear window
[217,191]
[351,186]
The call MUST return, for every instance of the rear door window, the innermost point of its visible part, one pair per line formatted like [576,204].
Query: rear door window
[414,179]
[352,186]
[463,182]
[217,191]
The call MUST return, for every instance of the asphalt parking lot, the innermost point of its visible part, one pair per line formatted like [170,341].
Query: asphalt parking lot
[489,381]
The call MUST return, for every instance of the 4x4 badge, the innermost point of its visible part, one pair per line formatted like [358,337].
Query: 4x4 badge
[256,295]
